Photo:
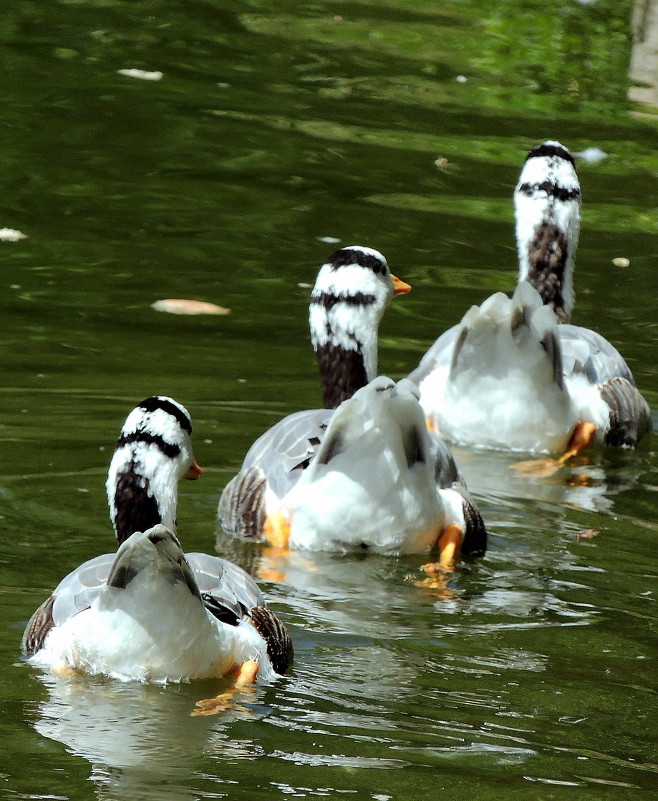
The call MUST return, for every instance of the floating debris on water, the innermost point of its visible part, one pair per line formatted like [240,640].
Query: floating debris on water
[11,235]
[182,306]
[592,154]
[621,261]
[586,534]
[329,240]
[143,75]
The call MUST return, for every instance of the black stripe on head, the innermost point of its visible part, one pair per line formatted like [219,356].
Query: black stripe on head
[346,256]
[168,448]
[547,149]
[330,299]
[155,402]
[561,193]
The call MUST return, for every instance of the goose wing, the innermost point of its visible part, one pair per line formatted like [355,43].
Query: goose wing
[588,353]
[227,591]
[272,466]
[75,593]
[231,595]
[223,584]
[286,449]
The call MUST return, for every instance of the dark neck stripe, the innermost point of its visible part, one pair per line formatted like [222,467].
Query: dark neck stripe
[151,404]
[136,508]
[551,150]
[551,189]
[347,256]
[329,299]
[167,448]
[548,254]
[342,371]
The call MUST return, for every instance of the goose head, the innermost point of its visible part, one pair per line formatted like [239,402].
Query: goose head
[547,204]
[351,293]
[153,452]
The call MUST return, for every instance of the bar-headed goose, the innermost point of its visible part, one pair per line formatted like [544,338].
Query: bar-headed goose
[351,293]
[381,481]
[514,374]
[149,612]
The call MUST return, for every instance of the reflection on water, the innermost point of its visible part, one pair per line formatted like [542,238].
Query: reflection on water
[140,740]
[588,482]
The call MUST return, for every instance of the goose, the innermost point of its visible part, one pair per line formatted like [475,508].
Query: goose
[351,293]
[352,290]
[381,481]
[149,612]
[514,374]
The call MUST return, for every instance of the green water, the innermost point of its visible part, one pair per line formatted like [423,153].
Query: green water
[532,675]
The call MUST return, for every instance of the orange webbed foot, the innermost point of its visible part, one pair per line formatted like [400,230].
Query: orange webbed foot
[277,530]
[582,436]
[245,676]
[277,535]
[436,581]
[65,672]
[450,543]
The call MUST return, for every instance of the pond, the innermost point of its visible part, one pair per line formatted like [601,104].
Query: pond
[250,144]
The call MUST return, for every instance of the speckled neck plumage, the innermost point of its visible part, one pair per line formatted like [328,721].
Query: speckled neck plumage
[136,508]
[547,201]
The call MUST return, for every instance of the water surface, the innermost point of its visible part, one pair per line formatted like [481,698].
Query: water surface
[398,125]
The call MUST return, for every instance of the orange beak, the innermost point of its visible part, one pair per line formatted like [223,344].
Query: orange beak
[195,471]
[400,286]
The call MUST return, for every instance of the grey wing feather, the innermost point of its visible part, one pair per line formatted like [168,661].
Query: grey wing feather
[438,355]
[275,462]
[630,415]
[285,450]
[586,352]
[272,630]
[224,584]
[475,536]
[75,593]
[38,628]
[224,580]
[446,473]
[241,509]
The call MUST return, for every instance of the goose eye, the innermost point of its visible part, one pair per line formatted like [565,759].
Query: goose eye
[384,271]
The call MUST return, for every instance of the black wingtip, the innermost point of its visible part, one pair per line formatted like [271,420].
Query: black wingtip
[242,504]
[38,628]
[275,634]
[630,415]
[476,536]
